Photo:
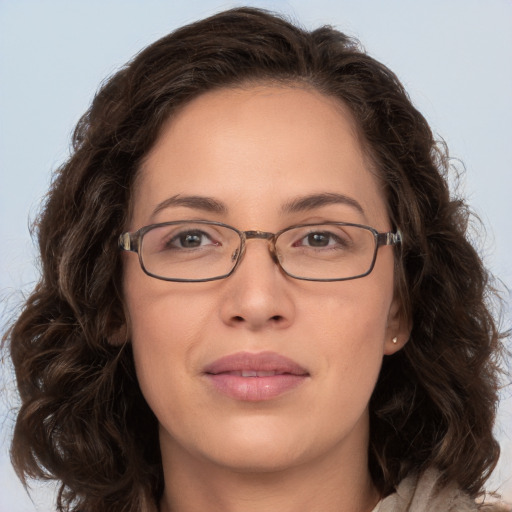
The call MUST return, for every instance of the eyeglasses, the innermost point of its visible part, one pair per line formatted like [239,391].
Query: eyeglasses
[200,250]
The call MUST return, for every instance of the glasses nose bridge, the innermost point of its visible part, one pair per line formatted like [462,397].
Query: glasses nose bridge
[258,234]
[262,235]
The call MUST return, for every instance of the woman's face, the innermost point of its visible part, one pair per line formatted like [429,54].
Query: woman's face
[200,348]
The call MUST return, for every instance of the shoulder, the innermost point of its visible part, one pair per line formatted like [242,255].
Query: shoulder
[424,494]
[495,507]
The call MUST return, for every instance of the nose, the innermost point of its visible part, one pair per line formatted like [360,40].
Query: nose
[257,295]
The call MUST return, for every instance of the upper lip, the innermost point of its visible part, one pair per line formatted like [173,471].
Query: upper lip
[261,361]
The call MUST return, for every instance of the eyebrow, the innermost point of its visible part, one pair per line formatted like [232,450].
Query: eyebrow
[299,204]
[207,204]
[310,202]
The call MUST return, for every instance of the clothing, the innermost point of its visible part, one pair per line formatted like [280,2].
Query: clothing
[422,495]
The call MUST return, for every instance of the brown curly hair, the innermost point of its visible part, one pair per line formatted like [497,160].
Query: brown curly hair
[83,420]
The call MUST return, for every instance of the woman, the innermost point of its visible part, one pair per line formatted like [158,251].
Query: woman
[303,325]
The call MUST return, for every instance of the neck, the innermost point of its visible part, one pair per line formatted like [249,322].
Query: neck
[329,483]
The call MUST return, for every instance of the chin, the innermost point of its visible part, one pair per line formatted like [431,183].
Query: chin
[249,445]
[258,459]
[265,446]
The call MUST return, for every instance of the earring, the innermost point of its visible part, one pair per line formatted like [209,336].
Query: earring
[395,340]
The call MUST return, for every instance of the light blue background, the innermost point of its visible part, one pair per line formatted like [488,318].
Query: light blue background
[453,56]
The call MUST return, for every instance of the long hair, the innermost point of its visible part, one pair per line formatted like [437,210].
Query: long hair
[83,420]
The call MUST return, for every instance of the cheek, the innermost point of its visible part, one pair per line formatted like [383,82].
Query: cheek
[349,327]
[165,330]
[161,326]
[163,342]
[163,315]
[356,312]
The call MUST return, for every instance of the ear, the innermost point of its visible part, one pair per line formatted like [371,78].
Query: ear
[398,329]
[119,336]
[121,330]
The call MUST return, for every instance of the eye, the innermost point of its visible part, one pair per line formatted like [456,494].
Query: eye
[320,239]
[190,239]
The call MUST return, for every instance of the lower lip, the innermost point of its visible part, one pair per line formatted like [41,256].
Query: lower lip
[255,389]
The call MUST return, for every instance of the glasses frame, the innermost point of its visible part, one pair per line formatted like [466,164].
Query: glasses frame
[132,242]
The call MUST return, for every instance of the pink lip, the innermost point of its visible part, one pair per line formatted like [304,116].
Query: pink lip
[270,375]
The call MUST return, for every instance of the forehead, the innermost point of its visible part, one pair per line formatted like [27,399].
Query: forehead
[257,146]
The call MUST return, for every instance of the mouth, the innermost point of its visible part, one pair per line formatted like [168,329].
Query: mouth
[254,373]
[255,377]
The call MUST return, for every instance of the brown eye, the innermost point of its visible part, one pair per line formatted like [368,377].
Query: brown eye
[190,240]
[318,239]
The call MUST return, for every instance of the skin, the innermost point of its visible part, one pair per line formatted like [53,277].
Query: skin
[256,149]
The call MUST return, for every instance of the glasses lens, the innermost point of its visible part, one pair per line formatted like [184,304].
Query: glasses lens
[190,251]
[326,251]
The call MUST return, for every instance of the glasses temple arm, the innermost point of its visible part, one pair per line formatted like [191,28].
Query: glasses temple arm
[389,238]
[128,242]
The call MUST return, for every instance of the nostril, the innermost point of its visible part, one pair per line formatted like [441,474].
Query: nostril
[240,319]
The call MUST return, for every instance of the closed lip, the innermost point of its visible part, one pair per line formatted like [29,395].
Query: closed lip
[256,377]
[247,363]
